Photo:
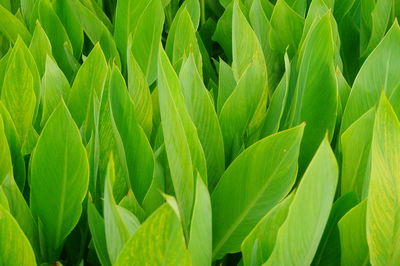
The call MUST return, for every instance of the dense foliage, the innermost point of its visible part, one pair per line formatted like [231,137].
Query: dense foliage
[199,132]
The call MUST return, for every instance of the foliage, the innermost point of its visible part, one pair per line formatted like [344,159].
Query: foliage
[199,132]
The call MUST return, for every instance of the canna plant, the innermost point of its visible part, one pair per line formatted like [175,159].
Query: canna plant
[199,132]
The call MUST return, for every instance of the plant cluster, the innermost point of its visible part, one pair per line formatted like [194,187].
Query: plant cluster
[199,132]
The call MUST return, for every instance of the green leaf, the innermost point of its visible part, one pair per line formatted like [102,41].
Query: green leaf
[223,31]
[246,51]
[183,148]
[140,94]
[14,145]
[278,102]
[144,20]
[40,47]
[353,239]
[245,45]
[18,92]
[356,155]
[89,81]
[159,241]
[5,155]
[55,87]
[153,198]
[12,27]
[316,106]
[97,229]
[14,246]
[182,41]
[119,223]
[286,28]
[201,109]
[138,152]
[96,30]
[383,234]
[252,185]
[375,76]
[239,108]
[260,13]
[200,242]
[374,23]
[65,13]
[19,208]
[226,84]
[298,238]
[110,142]
[60,157]
[57,34]
[259,243]
[328,252]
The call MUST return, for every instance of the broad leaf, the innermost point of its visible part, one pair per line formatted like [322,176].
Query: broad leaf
[259,243]
[14,246]
[202,112]
[158,241]
[353,239]
[200,242]
[59,180]
[383,210]
[298,238]
[251,186]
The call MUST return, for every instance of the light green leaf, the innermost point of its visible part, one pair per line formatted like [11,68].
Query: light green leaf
[183,42]
[317,95]
[252,185]
[278,103]
[328,252]
[374,23]
[159,241]
[226,84]
[260,13]
[110,142]
[223,31]
[89,81]
[12,27]
[375,75]
[259,243]
[18,92]
[353,239]
[286,28]
[246,51]
[200,242]
[14,246]
[245,45]
[140,94]
[55,87]
[65,13]
[5,155]
[144,20]
[183,148]
[137,149]
[14,145]
[356,156]
[383,210]
[97,229]
[201,109]
[96,31]
[239,108]
[298,238]
[56,33]
[40,47]
[21,212]
[119,223]
[59,180]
